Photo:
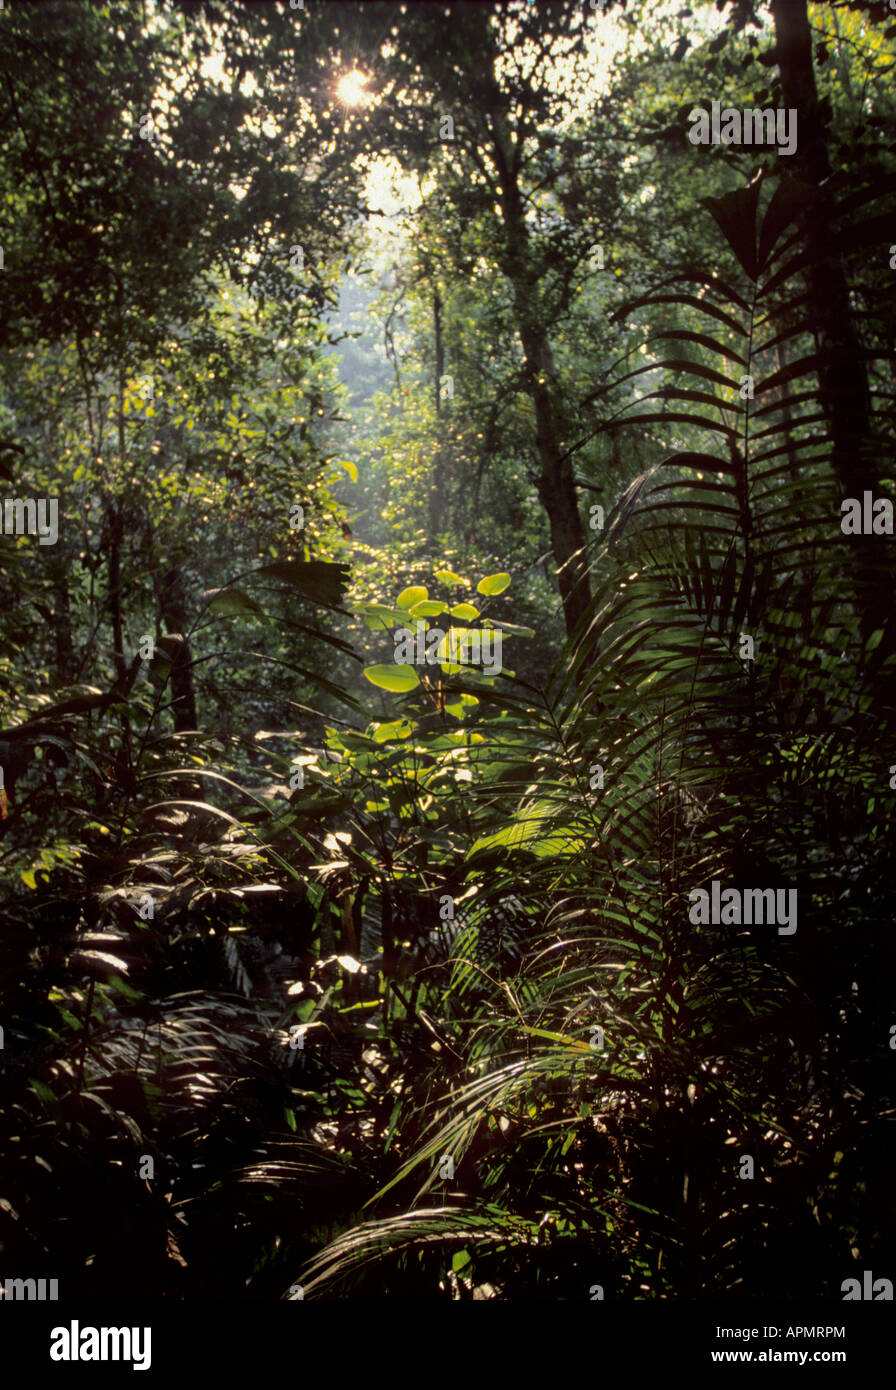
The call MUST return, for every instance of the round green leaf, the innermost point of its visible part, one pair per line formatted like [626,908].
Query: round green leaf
[408,597]
[465,611]
[427,609]
[378,617]
[449,577]
[493,584]
[459,706]
[397,678]
[396,728]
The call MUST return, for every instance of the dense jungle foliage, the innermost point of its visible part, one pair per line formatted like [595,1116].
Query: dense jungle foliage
[473,538]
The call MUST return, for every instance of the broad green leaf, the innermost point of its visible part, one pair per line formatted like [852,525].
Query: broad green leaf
[396,678]
[159,669]
[493,584]
[317,580]
[378,617]
[122,987]
[415,594]
[429,608]
[459,706]
[465,611]
[350,468]
[449,577]
[233,603]
[396,728]
[41,1090]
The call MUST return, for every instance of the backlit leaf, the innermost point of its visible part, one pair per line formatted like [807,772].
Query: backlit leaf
[409,597]
[396,678]
[493,584]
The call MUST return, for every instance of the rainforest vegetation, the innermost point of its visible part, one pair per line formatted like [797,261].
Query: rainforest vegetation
[447,648]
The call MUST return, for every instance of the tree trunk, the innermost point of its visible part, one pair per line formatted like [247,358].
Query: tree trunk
[115,534]
[437,488]
[66,665]
[172,603]
[844,393]
[556,485]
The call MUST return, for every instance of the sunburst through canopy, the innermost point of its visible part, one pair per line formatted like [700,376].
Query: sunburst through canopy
[351,89]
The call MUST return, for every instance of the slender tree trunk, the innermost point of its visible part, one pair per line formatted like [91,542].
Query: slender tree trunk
[440,351]
[437,488]
[115,534]
[115,523]
[66,664]
[172,602]
[556,484]
[116,528]
[845,397]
